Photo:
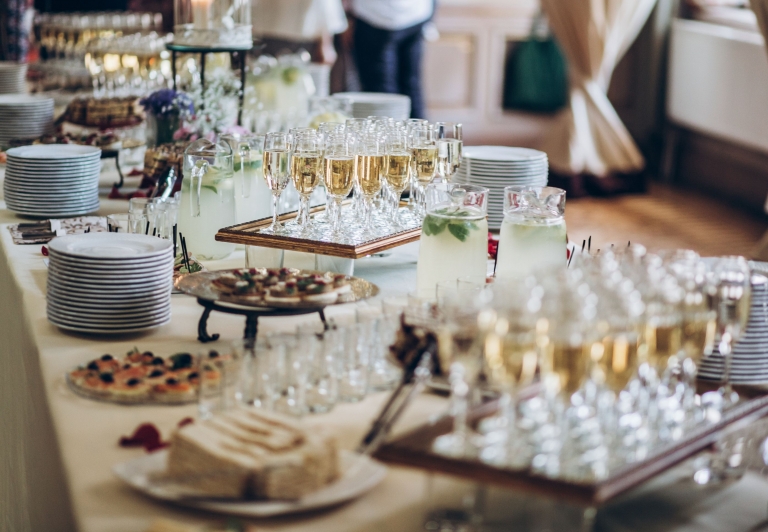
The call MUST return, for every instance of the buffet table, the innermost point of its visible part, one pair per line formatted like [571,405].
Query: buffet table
[57,449]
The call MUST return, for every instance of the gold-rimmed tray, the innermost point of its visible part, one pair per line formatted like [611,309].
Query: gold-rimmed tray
[257,233]
[201,285]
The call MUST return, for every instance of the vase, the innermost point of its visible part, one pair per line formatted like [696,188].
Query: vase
[160,129]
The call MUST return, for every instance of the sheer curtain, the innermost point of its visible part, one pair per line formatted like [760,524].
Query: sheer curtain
[588,137]
[760,7]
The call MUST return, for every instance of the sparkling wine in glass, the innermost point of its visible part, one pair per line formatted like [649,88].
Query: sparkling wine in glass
[306,161]
[276,171]
[339,174]
[398,170]
[369,167]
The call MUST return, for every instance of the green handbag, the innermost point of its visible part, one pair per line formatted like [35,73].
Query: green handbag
[536,77]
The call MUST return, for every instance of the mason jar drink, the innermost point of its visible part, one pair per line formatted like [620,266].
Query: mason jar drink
[454,236]
[533,232]
[207,198]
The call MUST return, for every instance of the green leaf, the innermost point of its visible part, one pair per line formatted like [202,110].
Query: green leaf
[211,187]
[434,225]
[460,231]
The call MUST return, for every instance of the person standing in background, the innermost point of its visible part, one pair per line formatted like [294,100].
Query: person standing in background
[388,46]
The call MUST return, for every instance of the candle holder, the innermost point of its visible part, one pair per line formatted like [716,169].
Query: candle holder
[213,24]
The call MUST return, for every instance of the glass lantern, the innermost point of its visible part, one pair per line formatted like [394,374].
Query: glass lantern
[213,24]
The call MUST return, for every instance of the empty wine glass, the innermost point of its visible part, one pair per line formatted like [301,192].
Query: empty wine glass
[276,172]
[424,162]
[449,146]
[732,303]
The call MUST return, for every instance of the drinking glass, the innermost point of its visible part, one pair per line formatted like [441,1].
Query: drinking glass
[218,380]
[449,147]
[276,171]
[306,160]
[398,170]
[454,236]
[339,174]
[135,223]
[369,167]
[732,303]
[322,383]
[424,161]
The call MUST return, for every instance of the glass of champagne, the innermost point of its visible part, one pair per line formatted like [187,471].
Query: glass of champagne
[369,167]
[398,170]
[339,174]
[449,146]
[732,302]
[424,161]
[276,172]
[306,160]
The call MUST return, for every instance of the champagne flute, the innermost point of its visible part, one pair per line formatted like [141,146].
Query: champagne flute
[398,170]
[732,303]
[449,146]
[339,174]
[276,155]
[424,161]
[306,160]
[369,167]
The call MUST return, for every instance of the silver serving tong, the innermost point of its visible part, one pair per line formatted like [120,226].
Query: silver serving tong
[414,379]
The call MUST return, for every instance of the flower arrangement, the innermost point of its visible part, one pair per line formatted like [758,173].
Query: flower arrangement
[166,103]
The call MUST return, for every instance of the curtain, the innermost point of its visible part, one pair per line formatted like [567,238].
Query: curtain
[588,137]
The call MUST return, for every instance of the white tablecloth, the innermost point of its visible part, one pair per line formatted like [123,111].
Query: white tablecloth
[57,449]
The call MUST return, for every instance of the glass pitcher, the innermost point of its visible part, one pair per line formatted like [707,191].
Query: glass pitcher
[533,236]
[207,198]
[252,195]
[454,236]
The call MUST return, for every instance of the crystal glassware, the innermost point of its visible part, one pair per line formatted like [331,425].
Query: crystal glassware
[306,161]
[449,146]
[369,168]
[338,174]
[732,303]
[135,223]
[424,161]
[252,196]
[398,170]
[276,171]
[533,233]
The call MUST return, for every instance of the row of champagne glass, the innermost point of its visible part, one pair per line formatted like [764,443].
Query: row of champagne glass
[614,340]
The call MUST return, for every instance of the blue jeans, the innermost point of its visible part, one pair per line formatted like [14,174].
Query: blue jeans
[390,61]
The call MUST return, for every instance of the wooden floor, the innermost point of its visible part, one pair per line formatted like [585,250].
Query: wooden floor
[666,218]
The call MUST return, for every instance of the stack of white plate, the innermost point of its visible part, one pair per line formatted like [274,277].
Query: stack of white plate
[749,362]
[365,104]
[109,283]
[53,180]
[25,117]
[496,167]
[12,77]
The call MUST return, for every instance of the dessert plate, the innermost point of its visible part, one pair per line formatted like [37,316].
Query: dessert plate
[360,475]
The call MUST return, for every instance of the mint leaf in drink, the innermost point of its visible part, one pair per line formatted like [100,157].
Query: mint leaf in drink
[434,225]
[211,187]
[459,230]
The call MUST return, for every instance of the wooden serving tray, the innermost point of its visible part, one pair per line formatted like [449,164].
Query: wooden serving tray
[248,234]
[414,449]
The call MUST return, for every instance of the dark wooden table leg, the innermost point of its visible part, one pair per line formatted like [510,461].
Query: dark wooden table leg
[202,327]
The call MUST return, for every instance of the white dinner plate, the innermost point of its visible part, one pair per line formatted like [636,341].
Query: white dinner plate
[111,274]
[502,153]
[60,174]
[54,198]
[90,320]
[360,475]
[77,287]
[111,285]
[40,213]
[108,312]
[99,299]
[96,330]
[55,151]
[115,246]
[128,265]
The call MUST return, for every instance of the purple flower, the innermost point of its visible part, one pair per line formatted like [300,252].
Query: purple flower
[168,102]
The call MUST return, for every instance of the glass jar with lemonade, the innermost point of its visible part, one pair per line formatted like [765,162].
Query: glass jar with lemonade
[207,198]
[533,235]
[454,236]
